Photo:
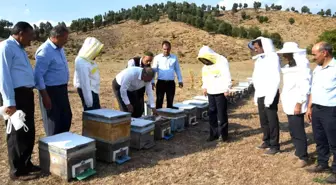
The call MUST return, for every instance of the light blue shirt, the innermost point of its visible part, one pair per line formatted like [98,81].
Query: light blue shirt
[51,66]
[323,88]
[166,67]
[15,70]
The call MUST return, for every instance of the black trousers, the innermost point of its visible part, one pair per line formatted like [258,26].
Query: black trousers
[20,144]
[95,98]
[298,134]
[218,115]
[133,98]
[58,119]
[269,122]
[324,129]
[165,87]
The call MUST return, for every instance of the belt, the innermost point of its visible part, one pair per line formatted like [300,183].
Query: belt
[25,88]
[322,107]
[166,80]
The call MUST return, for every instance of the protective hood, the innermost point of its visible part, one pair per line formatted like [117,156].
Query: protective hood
[301,59]
[90,49]
[267,45]
[207,53]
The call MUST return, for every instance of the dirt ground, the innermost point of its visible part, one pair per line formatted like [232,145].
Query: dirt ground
[187,158]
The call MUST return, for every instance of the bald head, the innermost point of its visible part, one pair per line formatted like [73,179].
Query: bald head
[322,53]
[147,74]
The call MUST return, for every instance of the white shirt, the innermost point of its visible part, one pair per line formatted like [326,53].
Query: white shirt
[130,80]
[87,78]
[296,88]
[166,67]
[266,77]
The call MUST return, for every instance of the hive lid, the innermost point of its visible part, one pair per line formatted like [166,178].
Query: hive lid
[195,102]
[107,113]
[66,140]
[203,98]
[184,106]
[243,84]
[169,110]
[138,122]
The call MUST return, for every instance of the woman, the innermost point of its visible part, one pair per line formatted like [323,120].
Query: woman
[294,96]
[86,78]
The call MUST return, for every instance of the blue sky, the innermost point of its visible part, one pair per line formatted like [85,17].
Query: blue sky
[35,11]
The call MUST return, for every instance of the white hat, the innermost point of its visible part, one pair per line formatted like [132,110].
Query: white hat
[290,47]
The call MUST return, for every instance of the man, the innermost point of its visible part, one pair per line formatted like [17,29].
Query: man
[216,71]
[51,77]
[266,81]
[144,61]
[322,108]
[16,88]
[294,96]
[130,80]
[166,64]
[86,77]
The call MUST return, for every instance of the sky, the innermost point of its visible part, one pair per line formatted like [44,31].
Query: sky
[36,11]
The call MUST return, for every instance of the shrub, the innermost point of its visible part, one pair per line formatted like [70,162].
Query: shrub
[330,37]
[291,20]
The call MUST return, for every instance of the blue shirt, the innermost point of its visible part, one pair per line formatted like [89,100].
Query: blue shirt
[166,67]
[323,88]
[51,66]
[15,70]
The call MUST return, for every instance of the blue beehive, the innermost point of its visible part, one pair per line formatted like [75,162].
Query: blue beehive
[142,133]
[177,118]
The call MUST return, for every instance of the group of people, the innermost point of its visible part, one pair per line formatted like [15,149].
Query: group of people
[303,92]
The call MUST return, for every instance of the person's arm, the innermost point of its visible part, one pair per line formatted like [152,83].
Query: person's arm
[303,86]
[41,67]
[273,81]
[225,71]
[6,84]
[155,67]
[83,72]
[124,85]
[204,81]
[131,63]
[178,71]
[150,95]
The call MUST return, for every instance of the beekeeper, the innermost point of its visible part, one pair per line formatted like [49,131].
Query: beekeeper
[266,81]
[294,96]
[86,77]
[216,80]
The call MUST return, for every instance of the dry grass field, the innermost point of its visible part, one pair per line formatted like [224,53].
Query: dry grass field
[187,158]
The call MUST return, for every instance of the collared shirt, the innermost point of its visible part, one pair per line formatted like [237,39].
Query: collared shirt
[323,89]
[15,70]
[130,80]
[132,63]
[166,67]
[51,66]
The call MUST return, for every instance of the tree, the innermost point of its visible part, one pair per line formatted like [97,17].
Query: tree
[240,6]
[291,20]
[199,22]
[267,8]
[225,28]
[321,12]
[244,15]
[328,13]
[277,40]
[98,21]
[293,9]
[305,9]
[209,24]
[234,7]
[253,33]
[245,5]
[223,8]
[330,37]
[287,10]
[256,5]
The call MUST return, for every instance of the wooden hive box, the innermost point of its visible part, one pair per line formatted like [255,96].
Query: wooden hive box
[67,155]
[177,118]
[142,133]
[202,108]
[162,127]
[190,111]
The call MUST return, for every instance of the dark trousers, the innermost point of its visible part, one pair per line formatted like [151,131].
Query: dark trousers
[218,115]
[20,144]
[95,98]
[298,134]
[165,87]
[58,119]
[269,122]
[324,129]
[133,98]
[141,99]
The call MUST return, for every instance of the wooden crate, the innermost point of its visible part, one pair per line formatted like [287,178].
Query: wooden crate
[67,155]
[107,125]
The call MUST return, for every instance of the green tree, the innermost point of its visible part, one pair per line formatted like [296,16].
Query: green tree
[223,8]
[240,5]
[293,9]
[199,22]
[287,10]
[209,24]
[277,40]
[330,37]
[235,32]
[256,5]
[225,28]
[322,13]
[253,33]
[267,8]
[328,13]
[98,21]
[245,5]
[291,20]
[234,7]
[305,9]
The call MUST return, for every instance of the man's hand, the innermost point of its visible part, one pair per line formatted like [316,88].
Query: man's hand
[180,84]
[153,86]
[309,114]
[226,94]
[130,108]
[297,109]
[205,92]
[155,113]
[46,99]
[10,110]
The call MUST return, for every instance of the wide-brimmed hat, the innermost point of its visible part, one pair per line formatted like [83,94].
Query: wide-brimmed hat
[290,47]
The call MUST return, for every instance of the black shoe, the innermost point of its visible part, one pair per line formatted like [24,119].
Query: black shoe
[22,176]
[272,151]
[225,139]
[212,139]
[331,179]
[318,169]
[263,146]
[33,168]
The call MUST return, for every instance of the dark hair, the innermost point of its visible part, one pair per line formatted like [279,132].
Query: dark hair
[257,41]
[21,27]
[149,54]
[147,71]
[326,47]
[58,30]
[165,42]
